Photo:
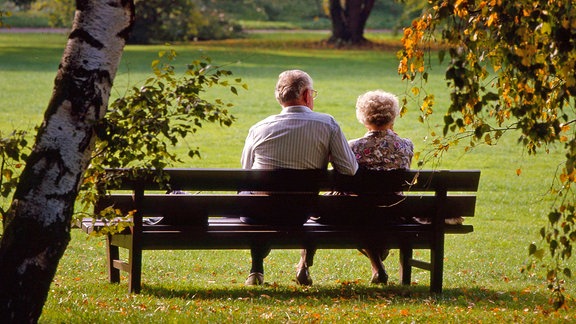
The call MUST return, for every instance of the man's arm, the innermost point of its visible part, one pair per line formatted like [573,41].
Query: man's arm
[341,156]
[247,158]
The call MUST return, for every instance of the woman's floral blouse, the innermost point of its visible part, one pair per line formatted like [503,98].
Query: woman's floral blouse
[382,150]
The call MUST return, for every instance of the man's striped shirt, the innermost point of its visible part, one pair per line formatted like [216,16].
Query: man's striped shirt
[298,138]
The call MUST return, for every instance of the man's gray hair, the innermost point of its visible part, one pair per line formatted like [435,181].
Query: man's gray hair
[377,108]
[291,84]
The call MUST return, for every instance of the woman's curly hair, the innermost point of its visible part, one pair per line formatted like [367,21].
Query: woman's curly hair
[377,108]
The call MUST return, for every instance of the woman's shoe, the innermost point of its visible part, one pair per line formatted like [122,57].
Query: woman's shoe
[379,278]
[454,221]
[255,278]
[303,277]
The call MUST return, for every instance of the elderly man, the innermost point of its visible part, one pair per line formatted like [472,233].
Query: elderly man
[297,138]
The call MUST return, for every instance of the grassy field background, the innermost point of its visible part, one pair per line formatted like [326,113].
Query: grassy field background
[482,277]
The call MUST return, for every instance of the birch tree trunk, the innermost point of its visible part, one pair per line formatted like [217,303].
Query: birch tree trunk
[37,229]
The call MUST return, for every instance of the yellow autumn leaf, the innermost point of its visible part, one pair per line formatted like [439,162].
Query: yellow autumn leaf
[491,19]
[7,173]
[545,28]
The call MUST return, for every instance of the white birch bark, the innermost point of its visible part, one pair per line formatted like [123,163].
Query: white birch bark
[37,231]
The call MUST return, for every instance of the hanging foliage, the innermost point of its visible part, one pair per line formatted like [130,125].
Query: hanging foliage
[510,67]
[141,129]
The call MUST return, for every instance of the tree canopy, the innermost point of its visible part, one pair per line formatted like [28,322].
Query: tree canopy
[510,67]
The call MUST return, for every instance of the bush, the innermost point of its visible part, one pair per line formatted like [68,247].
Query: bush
[157,21]
[268,10]
[13,15]
[178,20]
[60,12]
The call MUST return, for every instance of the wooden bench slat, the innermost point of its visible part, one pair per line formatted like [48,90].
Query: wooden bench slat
[310,180]
[182,207]
[226,239]
[121,265]
[234,225]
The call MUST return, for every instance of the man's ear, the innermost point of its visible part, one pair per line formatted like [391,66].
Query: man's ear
[308,99]
[306,95]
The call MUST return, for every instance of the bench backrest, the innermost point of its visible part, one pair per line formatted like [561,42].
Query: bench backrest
[436,194]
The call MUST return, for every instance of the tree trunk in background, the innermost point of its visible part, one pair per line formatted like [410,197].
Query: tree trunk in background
[349,21]
[37,229]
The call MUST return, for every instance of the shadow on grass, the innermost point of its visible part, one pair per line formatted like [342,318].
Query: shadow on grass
[394,294]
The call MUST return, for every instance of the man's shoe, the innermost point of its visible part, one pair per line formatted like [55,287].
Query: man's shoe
[454,221]
[255,278]
[379,278]
[303,277]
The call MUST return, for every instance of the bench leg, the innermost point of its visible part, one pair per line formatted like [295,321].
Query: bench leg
[135,268]
[406,255]
[436,271]
[113,254]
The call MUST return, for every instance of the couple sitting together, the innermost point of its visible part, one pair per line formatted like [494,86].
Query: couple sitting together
[299,138]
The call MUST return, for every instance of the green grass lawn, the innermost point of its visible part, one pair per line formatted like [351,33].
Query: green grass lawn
[482,278]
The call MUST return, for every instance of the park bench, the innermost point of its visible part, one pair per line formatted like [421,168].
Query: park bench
[207,216]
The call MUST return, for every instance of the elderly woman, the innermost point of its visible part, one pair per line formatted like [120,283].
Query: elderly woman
[380,149]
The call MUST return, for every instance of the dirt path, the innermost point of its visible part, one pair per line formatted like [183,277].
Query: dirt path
[19,30]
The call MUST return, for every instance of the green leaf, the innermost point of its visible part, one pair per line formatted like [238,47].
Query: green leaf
[551,275]
[553,245]
[554,216]
[490,96]
[535,252]
[532,249]
[480,130]
[441,55]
